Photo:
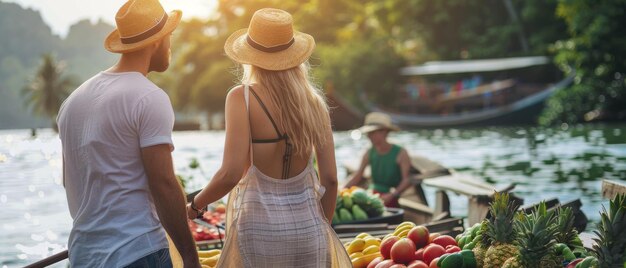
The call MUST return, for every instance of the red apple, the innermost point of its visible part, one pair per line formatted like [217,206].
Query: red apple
[398,266]
[419,254]
[433,263]
[385,246]
[385,264]
[445,240]
[403,251]
[573,263]
[417,264]
[432,237]
[433,251]
[419,235]
[375,262]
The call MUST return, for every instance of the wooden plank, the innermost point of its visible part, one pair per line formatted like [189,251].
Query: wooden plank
[415,211]
[460,184]
[477,209]
[360,228]
[464,184]
[611,188]
[426,166]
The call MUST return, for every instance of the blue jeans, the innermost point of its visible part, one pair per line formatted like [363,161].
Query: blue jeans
[159,259]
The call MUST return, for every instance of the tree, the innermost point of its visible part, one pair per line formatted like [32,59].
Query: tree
[456,29]
[48,89]
[595,54]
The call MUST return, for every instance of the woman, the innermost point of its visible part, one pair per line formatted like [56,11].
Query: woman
[278,210]
[390,163]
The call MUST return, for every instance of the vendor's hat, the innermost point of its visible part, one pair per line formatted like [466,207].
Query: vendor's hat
[139,24]
[270,42]
[375,121]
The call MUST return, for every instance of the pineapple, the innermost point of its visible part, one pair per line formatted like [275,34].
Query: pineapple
[482,245]
[565,223]
[500,231]
[535,239]
[610,247]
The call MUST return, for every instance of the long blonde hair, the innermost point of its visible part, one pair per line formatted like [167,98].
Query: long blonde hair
[303,112]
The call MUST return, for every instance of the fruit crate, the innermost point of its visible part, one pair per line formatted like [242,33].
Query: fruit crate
[211,243]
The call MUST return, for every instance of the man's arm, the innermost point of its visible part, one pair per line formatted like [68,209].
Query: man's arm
[404,160]
[169,200]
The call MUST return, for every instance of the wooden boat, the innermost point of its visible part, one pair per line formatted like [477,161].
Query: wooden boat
[442,223]
[474,92]
[479,193]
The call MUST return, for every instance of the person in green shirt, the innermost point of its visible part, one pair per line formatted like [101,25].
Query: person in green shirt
[389,163]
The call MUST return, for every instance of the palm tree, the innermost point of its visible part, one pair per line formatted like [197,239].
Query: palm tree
[47,90]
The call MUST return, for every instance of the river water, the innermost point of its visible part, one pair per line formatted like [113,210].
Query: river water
[566,162]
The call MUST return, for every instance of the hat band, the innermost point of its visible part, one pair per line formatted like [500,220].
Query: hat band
[275,49]
[148,33]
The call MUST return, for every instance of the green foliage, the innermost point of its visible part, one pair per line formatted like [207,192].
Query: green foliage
[611,242]
[361,66]
[26,37]
[456,29]
[595,55]
[48,88]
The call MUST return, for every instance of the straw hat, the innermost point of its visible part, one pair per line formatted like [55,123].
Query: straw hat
[270,42]
[139,24]
[375,121]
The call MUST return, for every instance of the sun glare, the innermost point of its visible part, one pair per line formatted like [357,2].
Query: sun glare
[192,8]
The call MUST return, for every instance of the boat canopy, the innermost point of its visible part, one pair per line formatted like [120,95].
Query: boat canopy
[473,66]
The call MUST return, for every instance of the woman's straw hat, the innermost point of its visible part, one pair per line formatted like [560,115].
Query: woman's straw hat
[375,121]
[139,24]
[270,42]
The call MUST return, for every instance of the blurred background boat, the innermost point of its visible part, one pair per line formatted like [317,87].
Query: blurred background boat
[503,91]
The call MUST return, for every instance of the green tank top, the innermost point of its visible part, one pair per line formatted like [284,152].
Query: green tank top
[385,169]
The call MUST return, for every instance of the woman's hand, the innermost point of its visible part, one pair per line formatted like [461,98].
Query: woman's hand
[192,213]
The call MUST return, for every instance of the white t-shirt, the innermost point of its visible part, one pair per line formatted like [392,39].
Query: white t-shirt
[103,125]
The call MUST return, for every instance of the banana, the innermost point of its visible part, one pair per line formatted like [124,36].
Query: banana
[357,245]
[372,241]
[401,229]
[404,233]
[356,255]
[208,253]
[212,261]
[363,261]
[406,223]
[371,249]
[363,235]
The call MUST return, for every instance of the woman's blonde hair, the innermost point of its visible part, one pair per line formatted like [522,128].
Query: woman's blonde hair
[303,112]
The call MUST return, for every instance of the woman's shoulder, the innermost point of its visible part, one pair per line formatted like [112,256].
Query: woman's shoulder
[236,90]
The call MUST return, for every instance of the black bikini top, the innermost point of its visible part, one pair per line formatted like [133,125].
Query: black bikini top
[281,137]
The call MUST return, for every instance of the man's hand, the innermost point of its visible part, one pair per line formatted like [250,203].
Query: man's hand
[387,198]
[169,200]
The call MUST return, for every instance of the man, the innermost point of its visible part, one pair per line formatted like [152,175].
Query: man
[118,174]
